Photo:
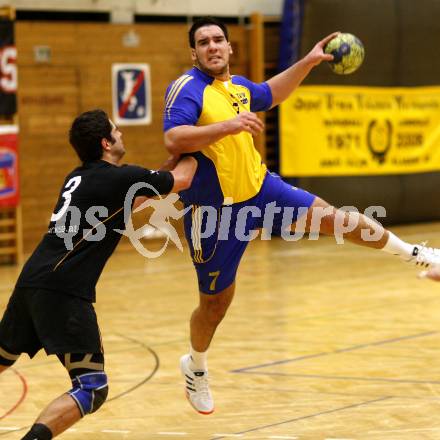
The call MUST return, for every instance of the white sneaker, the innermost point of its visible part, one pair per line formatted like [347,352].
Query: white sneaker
[425,256]
[196,387]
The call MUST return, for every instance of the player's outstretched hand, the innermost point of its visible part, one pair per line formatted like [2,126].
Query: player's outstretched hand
[317,54]
[432,274]
[246,121]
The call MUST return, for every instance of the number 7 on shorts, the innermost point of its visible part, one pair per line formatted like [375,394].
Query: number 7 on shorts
[215,275]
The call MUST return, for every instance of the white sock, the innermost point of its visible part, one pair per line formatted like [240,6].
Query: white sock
[396,246]
[199,360]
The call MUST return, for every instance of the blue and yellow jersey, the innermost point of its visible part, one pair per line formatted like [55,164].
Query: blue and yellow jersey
[231,167]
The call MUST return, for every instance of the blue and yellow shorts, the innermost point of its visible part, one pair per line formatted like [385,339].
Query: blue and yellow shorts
[218,237]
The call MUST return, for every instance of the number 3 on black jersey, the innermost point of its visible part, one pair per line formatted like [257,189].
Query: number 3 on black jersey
[71,186]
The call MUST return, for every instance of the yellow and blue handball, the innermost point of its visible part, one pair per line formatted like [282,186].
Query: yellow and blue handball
[348,52]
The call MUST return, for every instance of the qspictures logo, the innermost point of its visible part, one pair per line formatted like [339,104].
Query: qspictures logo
[226,222]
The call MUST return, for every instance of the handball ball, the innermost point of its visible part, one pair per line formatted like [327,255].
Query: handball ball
[348,52]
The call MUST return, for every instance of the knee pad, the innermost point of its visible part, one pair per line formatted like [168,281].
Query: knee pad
[89,391]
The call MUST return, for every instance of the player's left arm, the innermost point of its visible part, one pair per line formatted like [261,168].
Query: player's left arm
[283,84]
[182,168]
[183,173]
[177,179]
[170,163]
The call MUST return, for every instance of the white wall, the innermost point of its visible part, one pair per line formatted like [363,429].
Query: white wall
[159,7]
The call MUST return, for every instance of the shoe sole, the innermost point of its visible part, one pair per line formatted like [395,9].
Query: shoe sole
[205,413]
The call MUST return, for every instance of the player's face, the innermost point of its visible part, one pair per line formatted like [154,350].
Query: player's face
[118,148]
[212,50]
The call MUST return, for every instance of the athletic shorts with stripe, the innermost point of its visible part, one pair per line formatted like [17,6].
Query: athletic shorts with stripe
[219,237]
[38,318]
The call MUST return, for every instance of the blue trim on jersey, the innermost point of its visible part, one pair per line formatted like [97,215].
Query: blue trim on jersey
[261,94]
[184,99]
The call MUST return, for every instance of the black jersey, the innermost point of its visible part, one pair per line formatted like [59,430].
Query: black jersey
[81,234]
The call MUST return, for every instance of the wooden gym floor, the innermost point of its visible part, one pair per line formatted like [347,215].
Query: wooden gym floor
[321,342]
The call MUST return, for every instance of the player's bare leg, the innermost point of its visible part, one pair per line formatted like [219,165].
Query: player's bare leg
[58,416]
[361,230]
[89,392]
[355,227]
[208,315]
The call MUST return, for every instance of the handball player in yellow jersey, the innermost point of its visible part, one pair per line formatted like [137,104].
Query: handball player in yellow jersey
[209,114]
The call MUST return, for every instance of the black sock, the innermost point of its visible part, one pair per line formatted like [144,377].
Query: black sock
[38,432]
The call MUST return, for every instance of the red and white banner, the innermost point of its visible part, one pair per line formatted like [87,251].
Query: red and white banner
[8,69]
[9,188]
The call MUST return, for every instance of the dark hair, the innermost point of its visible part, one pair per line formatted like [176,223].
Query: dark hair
[206,21]
[87,132]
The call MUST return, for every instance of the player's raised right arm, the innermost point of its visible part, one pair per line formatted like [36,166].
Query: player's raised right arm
[191,138]
[284,83]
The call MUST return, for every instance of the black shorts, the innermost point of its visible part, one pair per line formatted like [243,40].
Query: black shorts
[38,318]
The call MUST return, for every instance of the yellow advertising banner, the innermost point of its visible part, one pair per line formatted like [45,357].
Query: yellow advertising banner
[334,131]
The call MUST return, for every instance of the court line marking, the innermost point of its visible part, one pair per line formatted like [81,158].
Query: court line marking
[229,435]
[366,395]
[296,390]
[296,419]
[146,379]
[404,430]
[341,350]
[115,431]
[54,360]
[283,437]
[364,379]
[24,391]
[133,388]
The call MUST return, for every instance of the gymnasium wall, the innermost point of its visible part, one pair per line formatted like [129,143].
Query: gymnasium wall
[78,78]
[231,8]
[401,39]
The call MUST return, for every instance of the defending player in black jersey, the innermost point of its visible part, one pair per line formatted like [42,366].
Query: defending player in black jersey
[51,306]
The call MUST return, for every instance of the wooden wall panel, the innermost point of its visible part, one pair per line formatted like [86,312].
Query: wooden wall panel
[78,78]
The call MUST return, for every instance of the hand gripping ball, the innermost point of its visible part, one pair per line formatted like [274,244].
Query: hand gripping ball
[348,52]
